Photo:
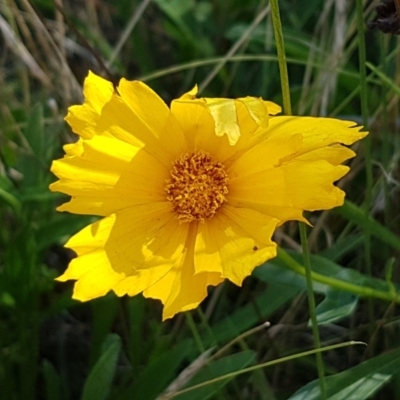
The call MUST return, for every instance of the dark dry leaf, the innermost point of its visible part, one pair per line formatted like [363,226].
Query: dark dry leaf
[387,19]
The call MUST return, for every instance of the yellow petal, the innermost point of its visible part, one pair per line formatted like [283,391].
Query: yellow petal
[97,92]
[251,132]
[146,236]
[207,132]
[108,176]
[257,109]
[190,95]
[74,149]
[284,191]
[145,104]
[188,290]
[250,115]
[223,112]
[94,275]
[317,132]
[140,280]
[181,289]
[135,238]
[226,115]
[120,121]
[273,108]
[265,155]
[135,245]
[152,111]
[234,242]
[135,115]
[335,154]
[197,123]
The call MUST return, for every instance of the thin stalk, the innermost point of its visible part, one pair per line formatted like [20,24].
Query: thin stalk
[311,305]
[364,112]
[264,365]
[385,137]
[366,143]
[195,332]
[280,47]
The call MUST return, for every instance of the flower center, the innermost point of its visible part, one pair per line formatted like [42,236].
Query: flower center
[197,188]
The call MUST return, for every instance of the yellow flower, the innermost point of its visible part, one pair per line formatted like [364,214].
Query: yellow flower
[190,195]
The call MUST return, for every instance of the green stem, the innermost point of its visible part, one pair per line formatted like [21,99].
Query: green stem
[364,113]
[280,47]
[366,142]
[311,303]
[195,332]
[386,138]
[362,291]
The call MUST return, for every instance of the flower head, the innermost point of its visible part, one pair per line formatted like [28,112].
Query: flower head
[190,195]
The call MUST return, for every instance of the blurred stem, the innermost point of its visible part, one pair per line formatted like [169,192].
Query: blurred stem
[311,305]
[367,144]
[385,137]
[364,113]
[280,47]
[195,332]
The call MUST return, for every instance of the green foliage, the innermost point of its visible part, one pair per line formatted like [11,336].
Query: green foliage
[214,370]
[360,382]
[98,383]
[54,348]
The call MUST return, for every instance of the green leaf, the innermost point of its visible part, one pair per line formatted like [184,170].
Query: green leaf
[60,228]
[264,305]
[336,306]
[104,310]
[6,299]
[38,194]
[52,380]
[385,79]
[99,381]
[357,383]
[8,194]
[272,272]
[166,365]
[31,164]
[355,214]
[164,368]
[176,9]
[339,284]
[342,247]
[11,200]
[215,369]
[329,273]
[34,130]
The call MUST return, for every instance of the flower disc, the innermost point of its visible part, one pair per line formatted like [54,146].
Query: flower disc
[197,188]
